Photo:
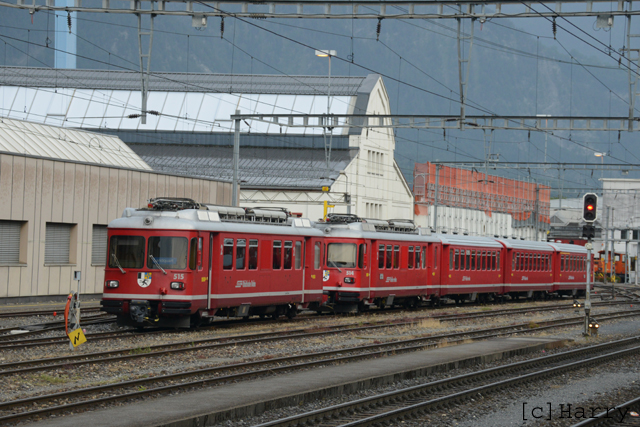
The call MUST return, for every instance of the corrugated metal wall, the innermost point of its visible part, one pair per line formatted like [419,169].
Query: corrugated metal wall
[40,191]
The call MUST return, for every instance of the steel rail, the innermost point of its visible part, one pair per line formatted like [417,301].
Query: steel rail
[413,345]
[42,312]
[418,391]
[604,419]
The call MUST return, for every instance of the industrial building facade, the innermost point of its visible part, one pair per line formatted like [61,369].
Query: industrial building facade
[54,211]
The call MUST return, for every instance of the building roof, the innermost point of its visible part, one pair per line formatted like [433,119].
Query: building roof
[264,168]
[34,139]
[179,82]
[100,99]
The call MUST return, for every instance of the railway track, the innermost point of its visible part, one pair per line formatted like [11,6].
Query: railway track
[20,342]
[39,328]
[418,401]
[43,312]
[609,419]
[76,399]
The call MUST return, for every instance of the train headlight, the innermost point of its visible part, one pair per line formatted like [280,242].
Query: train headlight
[177,285]
[112,284]
[350,280]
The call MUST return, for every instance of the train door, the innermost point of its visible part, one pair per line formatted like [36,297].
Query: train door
[313,269]
[209,257]
[364,267]
[438,260]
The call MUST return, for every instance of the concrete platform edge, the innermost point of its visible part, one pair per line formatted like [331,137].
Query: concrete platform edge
[257,408]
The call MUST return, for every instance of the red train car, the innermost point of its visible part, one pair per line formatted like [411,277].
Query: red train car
[374,262]
[528,268]
[569,269]
[472,267]
[177,263]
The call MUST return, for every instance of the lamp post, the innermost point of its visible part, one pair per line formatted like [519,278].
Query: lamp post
[327,149]
[601,155]
[347,192]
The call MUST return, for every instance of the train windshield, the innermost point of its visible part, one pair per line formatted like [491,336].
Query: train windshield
[341,255]
[167,252]
[126,252]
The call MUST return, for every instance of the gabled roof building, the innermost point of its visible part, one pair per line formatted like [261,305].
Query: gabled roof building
[190,131]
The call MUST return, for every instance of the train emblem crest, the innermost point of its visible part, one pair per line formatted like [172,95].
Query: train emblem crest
[325,275]
[144,279]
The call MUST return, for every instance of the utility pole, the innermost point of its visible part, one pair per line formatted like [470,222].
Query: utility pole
[435,202]
[606,245]
[613,257]
[587,300]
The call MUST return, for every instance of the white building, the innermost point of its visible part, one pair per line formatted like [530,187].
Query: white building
[190,132]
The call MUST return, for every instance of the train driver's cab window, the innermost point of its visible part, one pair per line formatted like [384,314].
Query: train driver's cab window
[253,254]
[362,255]
[227,254]
[241,253]
[341,255]
[288,255]
[381,256]
[316,255]
[277,254]
[167,253]
[126,252]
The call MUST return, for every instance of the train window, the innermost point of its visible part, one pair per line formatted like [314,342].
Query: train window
[277,254]
[410,258]
[297,254]
[514,261]
[341,255]
[241,253]
[316,256]
[126,252]
[435,257]
[473,260]
[253,254]
[424,256]
[193,253]
[227,254]
[498,261]
[484,260]
[288,255]
[362,255]
[417,249]
[167,252]
[396,257]
[468,260]
[561,262]
[381,256]
[389,256]
[493,260]
[457,259]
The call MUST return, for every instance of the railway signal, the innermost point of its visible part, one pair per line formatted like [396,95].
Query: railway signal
[589,212]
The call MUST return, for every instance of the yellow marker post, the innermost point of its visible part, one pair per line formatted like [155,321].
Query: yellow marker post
[77,337]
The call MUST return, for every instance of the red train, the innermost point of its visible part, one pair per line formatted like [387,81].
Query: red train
[178,263]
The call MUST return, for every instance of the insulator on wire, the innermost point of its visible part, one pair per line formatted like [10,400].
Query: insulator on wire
[153,112]
[134,116]
[222,27]
[554,28]
[378,29]
[69,21]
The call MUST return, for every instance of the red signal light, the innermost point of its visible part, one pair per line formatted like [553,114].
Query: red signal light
[589,207]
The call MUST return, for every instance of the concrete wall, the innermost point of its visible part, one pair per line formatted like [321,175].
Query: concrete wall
[36,191]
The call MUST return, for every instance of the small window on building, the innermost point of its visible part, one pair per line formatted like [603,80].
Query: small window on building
[253,254]
[98,245]
[241,253]
[288,255]
[636,234]
[624,234]
[277,254]
[10,242]
[316,256]
[227,254]
[57,248]
[381,256]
